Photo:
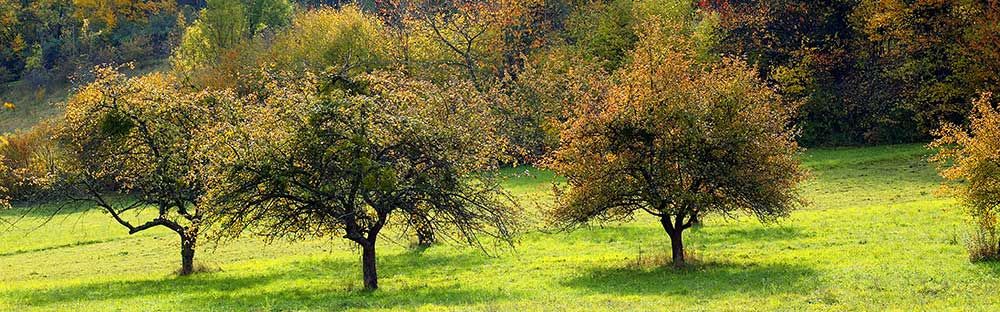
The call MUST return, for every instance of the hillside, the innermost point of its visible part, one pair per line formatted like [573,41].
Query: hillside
[874,237]
[36,103]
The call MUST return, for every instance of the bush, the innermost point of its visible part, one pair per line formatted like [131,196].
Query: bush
[4,196]
[983,244]
[969,159]
[27,160]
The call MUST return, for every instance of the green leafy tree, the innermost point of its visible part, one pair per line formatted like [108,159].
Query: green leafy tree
[678,141]
[345,42]
[603,31]
[221,26]
[263,15]
[225,25]
[350,164]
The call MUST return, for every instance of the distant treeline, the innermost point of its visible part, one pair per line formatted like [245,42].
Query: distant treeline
[53,40]
[869,71]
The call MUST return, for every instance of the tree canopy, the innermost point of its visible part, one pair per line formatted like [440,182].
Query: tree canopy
[132,146]
[392,152]
[712,139]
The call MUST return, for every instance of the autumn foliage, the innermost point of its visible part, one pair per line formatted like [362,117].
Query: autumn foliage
[392,152]
[678,140]
[969,158]
[4,197]
[133,145]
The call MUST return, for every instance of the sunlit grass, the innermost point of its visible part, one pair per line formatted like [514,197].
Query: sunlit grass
[875,237]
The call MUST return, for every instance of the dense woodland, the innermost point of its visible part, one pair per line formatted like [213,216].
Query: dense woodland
[335,119]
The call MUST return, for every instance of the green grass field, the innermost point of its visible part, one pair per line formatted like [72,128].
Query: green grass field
[875,237]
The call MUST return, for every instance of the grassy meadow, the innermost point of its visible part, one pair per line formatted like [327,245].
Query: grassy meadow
[875,237]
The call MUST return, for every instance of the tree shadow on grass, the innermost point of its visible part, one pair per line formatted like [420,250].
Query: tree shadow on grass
[45,209]
[324,284]
[706,280]
[708,234]
[988,267]
[406,298]
[761,233]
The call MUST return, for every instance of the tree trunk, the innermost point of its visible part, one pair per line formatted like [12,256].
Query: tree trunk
[676,239]
[694,219]
[368,265]
[422,225]
[425,236]
[677,247]
[187,255]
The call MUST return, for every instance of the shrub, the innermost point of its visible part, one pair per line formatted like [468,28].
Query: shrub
[983,243]
[4,196]
[27,160]
[969,159]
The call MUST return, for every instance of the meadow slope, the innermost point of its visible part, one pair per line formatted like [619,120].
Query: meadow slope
[875,237]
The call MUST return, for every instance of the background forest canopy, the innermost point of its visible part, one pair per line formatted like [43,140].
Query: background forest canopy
[864,72]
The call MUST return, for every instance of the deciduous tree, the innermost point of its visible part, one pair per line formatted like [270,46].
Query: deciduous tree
[345,42]
[481,40]
[354,162]
[678,140]
[223,27]
[132,146]
[110,12]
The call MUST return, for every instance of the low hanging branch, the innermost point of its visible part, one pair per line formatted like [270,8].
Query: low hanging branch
[349,164]
[131,147]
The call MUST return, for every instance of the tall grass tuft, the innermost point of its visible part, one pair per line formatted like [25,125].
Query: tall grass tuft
[983,243]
